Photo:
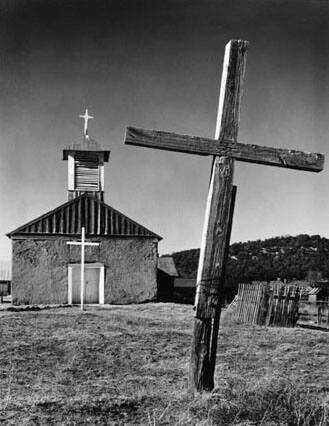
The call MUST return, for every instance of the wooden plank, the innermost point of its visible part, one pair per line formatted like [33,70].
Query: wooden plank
[251,302]
[270,307]
[214,235]
[245,303]
[241,301]
[278,157]
[258,302]
[278,312]
[263,305]
[214,238]
[295,307]
[285,303]
[248,303]
[238,304]
[243,307]
[215,328]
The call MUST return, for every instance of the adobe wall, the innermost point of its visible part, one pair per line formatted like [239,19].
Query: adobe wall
[39,273]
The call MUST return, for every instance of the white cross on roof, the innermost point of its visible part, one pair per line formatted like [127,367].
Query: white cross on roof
[86,117]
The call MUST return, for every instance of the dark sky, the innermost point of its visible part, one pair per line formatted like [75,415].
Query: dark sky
[157,64]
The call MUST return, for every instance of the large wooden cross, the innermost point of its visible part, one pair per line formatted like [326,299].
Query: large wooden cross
[219,210]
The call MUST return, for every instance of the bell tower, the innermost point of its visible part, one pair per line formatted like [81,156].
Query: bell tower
[86,165]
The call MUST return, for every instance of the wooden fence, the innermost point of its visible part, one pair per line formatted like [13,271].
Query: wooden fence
[264,304]
[314,314]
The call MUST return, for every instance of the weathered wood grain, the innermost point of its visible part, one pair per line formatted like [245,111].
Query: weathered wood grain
[279,157]
[215,325]
[231,90]
[212,252]
[216,225]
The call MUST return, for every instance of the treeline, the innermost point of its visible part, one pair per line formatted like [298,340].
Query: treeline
[264,260]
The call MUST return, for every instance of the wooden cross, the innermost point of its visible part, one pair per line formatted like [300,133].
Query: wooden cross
[219,210]
[82,243]
[86,117]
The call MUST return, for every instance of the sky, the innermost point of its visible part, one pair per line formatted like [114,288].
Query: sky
[157,64]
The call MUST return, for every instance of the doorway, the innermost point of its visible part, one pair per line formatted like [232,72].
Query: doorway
[94,283]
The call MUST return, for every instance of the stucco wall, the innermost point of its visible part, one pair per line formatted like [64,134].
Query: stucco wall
[40,269]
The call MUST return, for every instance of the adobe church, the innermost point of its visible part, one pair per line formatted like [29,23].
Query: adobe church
[121,269]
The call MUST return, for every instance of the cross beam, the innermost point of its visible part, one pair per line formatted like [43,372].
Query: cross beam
[290,159]
[220,202]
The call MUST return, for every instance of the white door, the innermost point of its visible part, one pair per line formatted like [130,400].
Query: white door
[92,284]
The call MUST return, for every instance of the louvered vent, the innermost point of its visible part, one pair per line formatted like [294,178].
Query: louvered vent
[86,172]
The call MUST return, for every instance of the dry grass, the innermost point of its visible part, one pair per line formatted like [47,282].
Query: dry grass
[128,365]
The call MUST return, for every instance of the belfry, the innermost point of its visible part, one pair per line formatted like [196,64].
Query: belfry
[86,165]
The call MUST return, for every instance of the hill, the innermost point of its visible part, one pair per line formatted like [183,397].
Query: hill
[263,260]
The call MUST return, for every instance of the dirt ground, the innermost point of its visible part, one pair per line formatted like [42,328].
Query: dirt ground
[117,365]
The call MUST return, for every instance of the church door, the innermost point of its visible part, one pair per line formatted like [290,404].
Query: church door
[94,284]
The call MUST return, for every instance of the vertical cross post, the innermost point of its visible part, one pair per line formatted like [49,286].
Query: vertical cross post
[82,243]
[216,224]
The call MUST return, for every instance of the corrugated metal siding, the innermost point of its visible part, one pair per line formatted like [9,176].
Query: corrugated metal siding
[97,217]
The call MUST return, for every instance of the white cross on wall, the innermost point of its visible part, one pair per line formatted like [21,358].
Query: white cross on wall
[86,117]
[82,243]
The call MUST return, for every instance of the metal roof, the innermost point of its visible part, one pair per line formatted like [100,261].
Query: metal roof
[85,210]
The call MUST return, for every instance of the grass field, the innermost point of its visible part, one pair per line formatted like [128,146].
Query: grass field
[128,365]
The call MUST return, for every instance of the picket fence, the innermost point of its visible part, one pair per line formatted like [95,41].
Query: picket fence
[268,304]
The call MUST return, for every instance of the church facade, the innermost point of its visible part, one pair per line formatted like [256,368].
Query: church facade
[120,269]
